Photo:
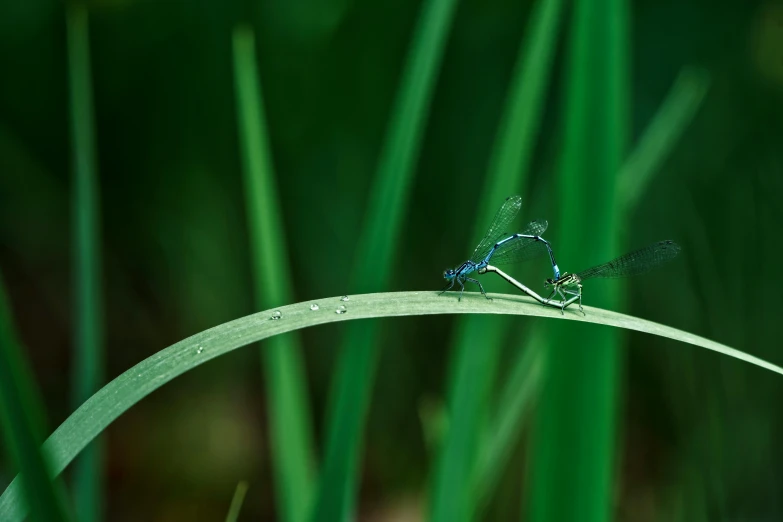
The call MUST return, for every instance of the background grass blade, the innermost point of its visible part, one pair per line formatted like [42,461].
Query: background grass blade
[516,400]
[236,502]
[88,365]
[656,143]
[387,201]
[291,430]
[132,386]
[574,441]
[472,370]
[21,413]
[662,134]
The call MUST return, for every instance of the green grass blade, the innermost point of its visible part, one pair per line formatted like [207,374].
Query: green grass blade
[574,438]
[387,201]
[353,382]
[516,400]
[291,429]
[132,386]
[472,370]
[644,162]
[88,372]
[662,134]
[454,495]
[378,241]
[236,502]
[21,416]
[521,120]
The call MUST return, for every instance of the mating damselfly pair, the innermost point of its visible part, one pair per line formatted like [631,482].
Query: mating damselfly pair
[501,248]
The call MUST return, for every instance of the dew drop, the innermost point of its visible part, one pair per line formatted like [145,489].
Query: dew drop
[314,306]
[345,298]
[277,314]
[340,310]
[199,349]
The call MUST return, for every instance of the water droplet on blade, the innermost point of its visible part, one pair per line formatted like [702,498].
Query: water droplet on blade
[277,314]
[314,306]
[340,310]
[199,349]
[345,298]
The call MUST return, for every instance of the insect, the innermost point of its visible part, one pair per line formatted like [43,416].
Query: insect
[502,247]
[633,263]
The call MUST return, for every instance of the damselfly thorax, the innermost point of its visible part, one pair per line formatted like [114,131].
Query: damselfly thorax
[566,280]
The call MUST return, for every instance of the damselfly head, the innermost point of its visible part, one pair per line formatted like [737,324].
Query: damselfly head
[449,274]
[549,282]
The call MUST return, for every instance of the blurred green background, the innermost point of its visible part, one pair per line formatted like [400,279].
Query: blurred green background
[693,431]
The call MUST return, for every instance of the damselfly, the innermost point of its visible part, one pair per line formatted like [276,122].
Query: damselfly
[502,247]
[634,263]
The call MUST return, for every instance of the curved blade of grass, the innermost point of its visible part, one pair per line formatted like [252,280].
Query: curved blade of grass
[236,502]
[378,241]
[88,330]
[472,371]
[291,429]
[573,443]
[21,419]
[122,393]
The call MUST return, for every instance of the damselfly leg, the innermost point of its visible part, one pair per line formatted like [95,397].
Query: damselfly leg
[561,290]
[447,287]
[562,297]
[480,287]
[577,294]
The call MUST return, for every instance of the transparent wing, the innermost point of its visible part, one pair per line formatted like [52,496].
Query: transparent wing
[636,262]
[499,227]
[522,248]
[535,228]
